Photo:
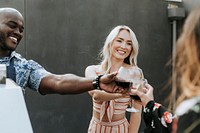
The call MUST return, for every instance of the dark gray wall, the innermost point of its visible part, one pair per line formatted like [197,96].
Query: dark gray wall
[65,37]
[190,5]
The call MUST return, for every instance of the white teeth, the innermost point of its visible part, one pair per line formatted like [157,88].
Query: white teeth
[13,39]
[121,52]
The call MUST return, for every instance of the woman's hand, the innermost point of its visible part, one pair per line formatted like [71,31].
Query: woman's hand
[145,94]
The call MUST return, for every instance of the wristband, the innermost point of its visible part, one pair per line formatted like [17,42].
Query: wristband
[96,82]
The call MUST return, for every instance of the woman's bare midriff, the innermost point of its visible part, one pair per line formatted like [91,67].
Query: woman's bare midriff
[116,117]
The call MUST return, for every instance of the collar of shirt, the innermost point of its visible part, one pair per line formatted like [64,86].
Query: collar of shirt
[5,60]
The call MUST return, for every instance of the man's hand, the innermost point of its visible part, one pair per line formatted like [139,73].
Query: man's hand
[107,83]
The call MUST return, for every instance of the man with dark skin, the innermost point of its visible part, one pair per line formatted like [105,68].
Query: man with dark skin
[28,73]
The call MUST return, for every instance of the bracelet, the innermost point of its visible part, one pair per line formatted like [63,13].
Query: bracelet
[96,82]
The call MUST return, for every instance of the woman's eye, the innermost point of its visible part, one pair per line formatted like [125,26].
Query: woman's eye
[119,41]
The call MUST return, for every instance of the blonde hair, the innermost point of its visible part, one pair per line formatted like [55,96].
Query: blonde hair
[187,65]
[105,54]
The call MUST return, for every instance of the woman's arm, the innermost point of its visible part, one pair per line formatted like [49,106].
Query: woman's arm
[104,96]
[135,119]
[156,116]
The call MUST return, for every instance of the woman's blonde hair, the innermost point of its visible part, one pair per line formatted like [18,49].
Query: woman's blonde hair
[187,65]
[106,51]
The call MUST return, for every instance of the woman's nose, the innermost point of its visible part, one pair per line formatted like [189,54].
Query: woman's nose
[123,45]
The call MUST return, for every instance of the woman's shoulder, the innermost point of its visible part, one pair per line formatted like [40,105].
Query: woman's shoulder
[136,67]
[131,67]
[196,107]
[95,68]
[189,105]
[189,117]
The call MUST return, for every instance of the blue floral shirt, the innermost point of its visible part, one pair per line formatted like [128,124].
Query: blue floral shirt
[28,72]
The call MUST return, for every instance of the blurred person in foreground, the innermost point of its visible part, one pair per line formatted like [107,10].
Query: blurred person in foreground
[187,67]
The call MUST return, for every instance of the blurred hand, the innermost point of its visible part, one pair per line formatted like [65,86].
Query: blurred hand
[145,94]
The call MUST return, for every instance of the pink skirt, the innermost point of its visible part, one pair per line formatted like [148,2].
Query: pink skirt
[96,126]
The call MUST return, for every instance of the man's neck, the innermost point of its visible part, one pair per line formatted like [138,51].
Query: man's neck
[4,53]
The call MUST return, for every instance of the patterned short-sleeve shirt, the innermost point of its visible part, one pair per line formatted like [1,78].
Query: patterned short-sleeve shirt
[28,72]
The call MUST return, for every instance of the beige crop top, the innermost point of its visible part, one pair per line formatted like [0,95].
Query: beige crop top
[117,106]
